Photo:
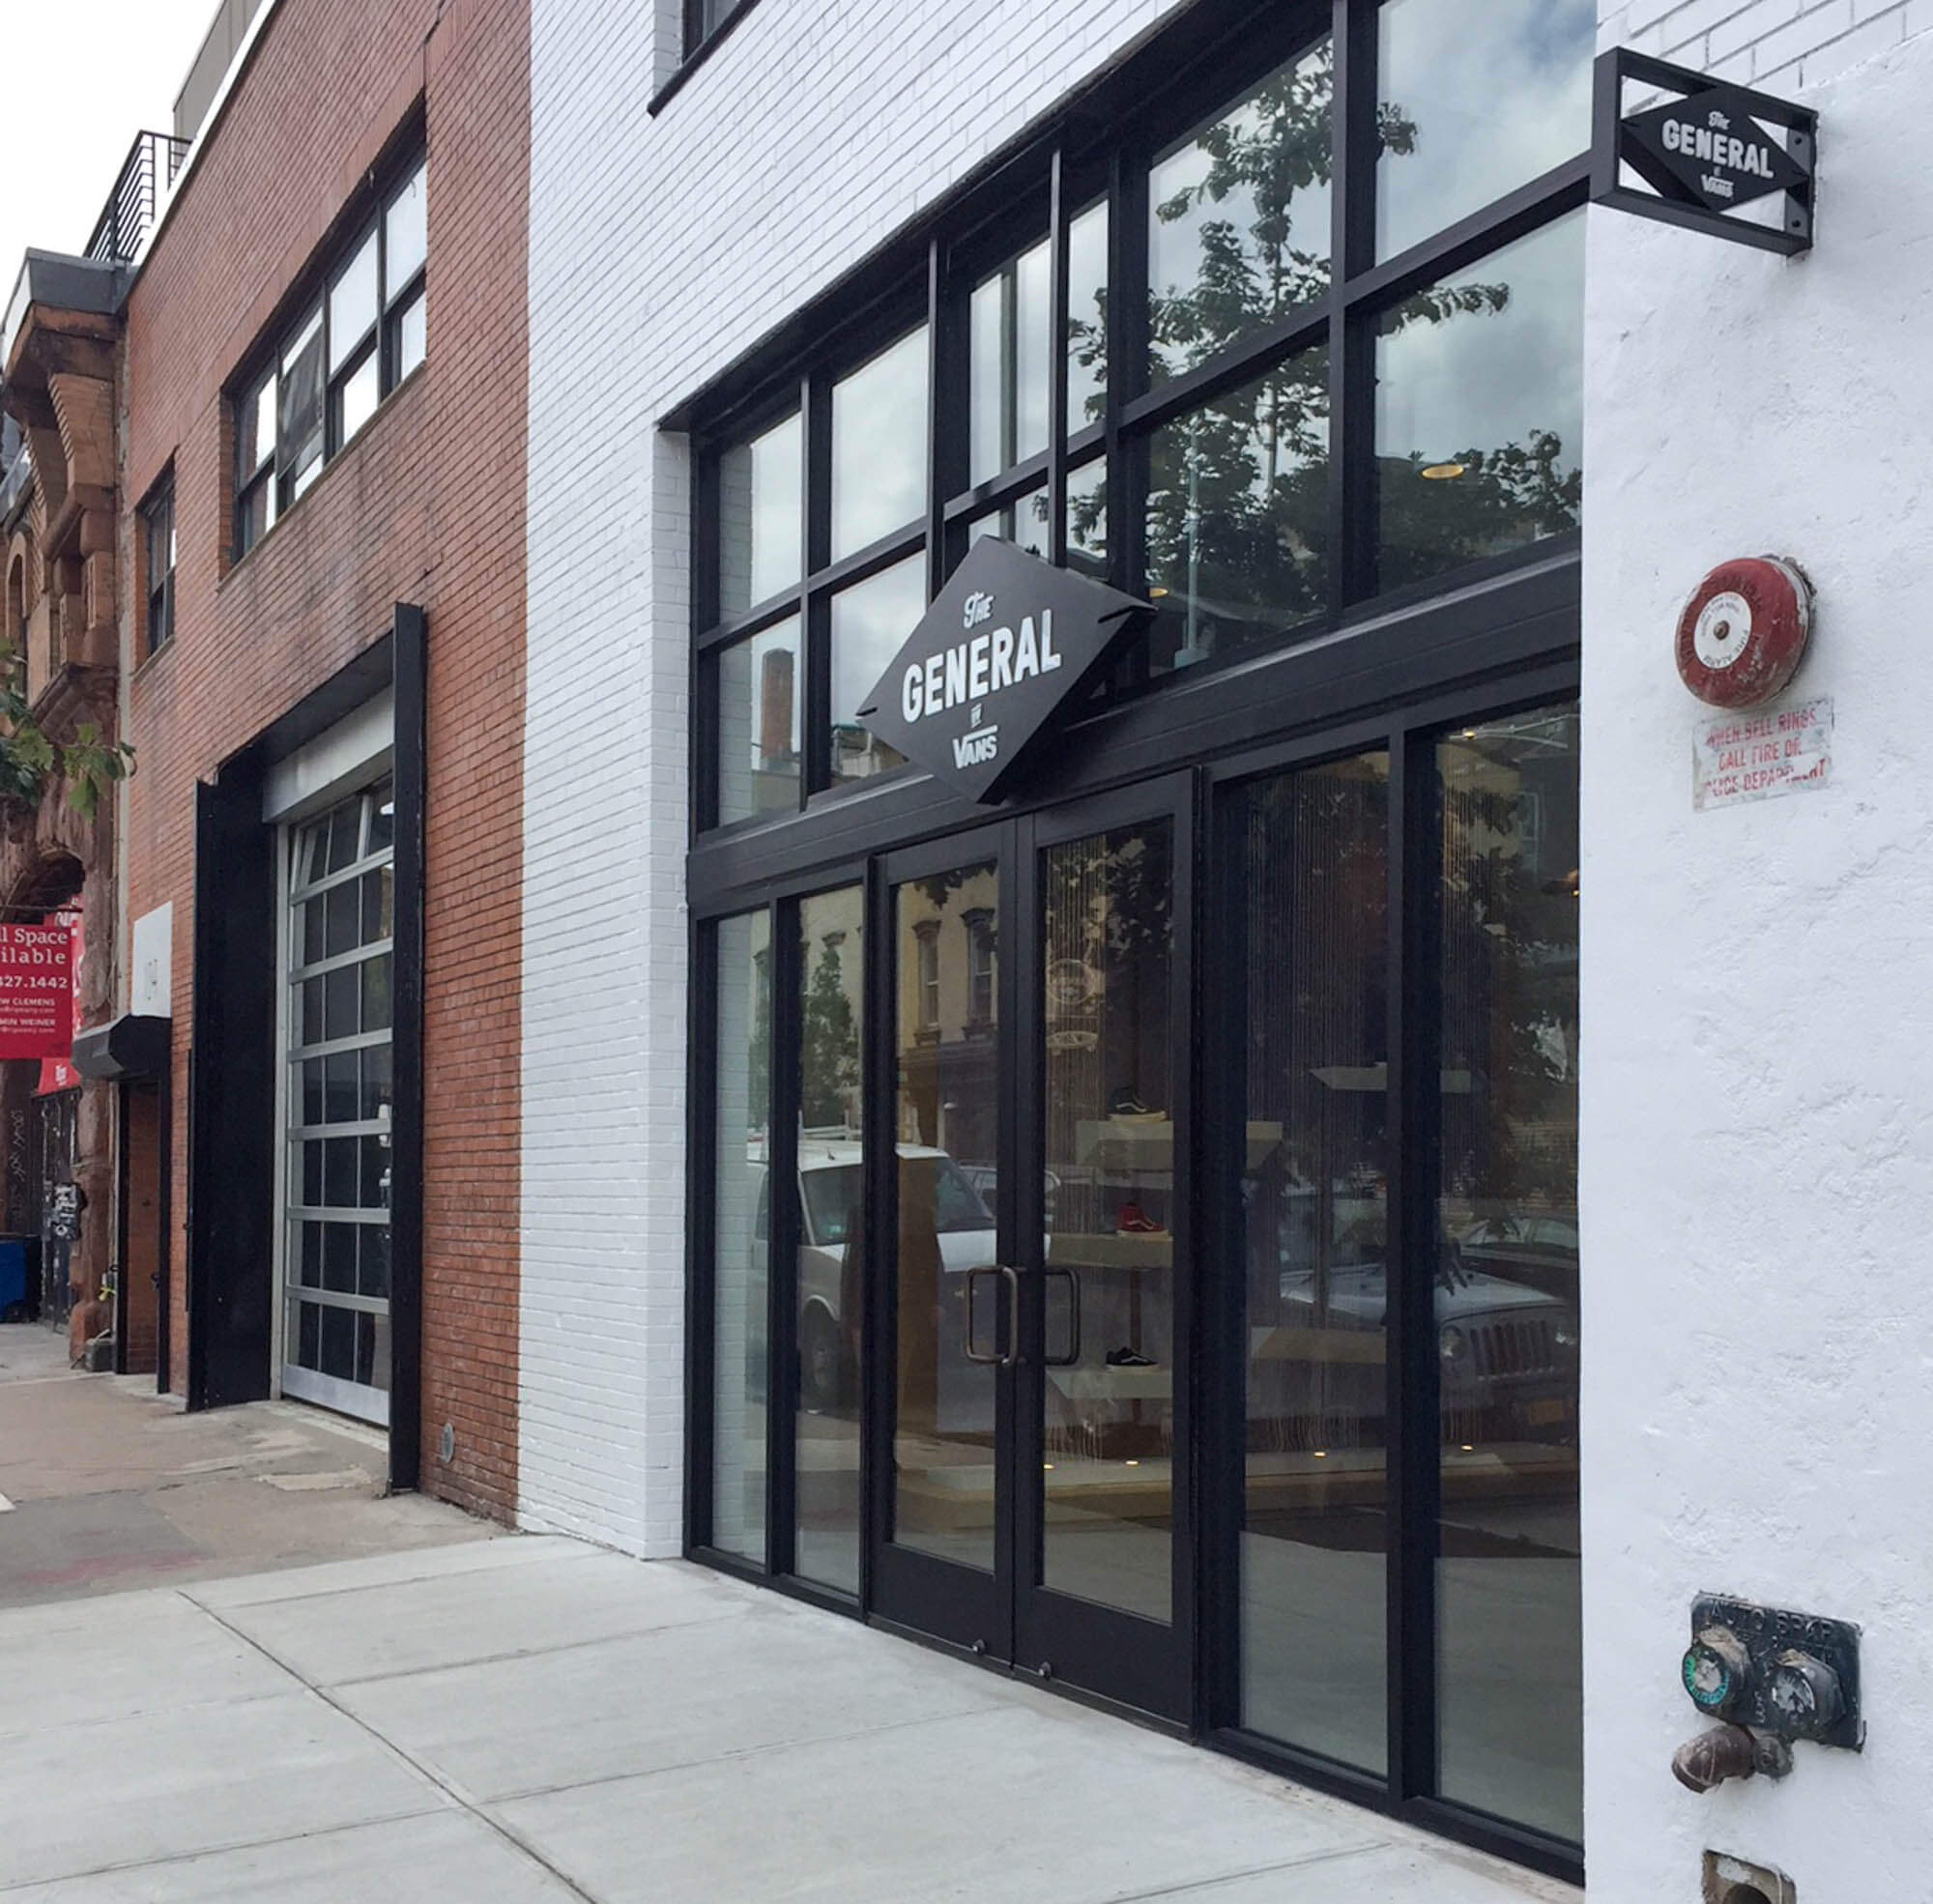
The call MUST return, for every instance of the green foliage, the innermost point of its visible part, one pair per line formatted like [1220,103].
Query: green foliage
[29,759]
[828,1037]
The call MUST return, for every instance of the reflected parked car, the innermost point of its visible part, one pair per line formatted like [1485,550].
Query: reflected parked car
[1506,1354]
[831,1214]
[1537,1250]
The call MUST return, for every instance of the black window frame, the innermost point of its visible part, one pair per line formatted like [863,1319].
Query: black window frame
[158,609]
[279,477]
[1040,193]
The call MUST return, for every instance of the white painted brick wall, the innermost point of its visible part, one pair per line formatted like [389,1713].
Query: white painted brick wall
[660,251]
[1768,43]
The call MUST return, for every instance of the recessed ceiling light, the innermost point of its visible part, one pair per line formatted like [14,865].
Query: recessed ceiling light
[1442,471]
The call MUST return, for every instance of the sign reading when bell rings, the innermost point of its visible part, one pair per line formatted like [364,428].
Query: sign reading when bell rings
[36,990]
[1707,153]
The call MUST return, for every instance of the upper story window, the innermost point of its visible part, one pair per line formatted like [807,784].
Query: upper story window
[703,18]
[1273,399]
[157,553]
[363,333]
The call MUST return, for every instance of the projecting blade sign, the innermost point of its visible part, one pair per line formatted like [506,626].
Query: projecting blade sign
[1004,645]
[1705,154]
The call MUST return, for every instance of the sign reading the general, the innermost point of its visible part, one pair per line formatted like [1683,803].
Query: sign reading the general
[1705,154]
[36,990]
[1005,643]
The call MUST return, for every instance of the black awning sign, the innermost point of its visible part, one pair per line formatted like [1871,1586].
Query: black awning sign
[1004,645]
[1705,154]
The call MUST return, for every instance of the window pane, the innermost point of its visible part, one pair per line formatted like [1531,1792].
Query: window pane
[738,1264]
[1086,317]
[257,514]
[879,445]
[1314,896]
[869,623]
[1479,408]
[1477,97]
[711,15]
[1022,523]
[759,517]
[1237,515]
[831,994]
[300,420]
[255,427]
[406,241]
[1087,519]
[1009,323]
[1509,1652]
[1238,218]
[759,724]
[352,304]
[358,399]
[410,335]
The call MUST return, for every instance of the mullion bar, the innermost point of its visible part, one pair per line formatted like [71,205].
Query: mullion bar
[939,406]
[1410,1279]
[782,1240]
[815,408]
[1352,250]
[1056,359]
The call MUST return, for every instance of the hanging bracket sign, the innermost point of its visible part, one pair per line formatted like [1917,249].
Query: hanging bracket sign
[1004,645]
[1704,154]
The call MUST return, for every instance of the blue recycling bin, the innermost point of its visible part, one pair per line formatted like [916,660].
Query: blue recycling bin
[17,1279]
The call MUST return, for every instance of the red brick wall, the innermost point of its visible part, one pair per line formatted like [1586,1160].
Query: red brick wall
[426,505]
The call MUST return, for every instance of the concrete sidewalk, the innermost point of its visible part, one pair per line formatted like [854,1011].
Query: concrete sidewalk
[105,1486]
[529,1720]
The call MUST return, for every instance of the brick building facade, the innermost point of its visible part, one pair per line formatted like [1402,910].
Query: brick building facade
[309,164]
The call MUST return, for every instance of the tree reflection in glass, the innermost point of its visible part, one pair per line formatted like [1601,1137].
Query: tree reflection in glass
[1237,515]
[1479,408]
[1238,218]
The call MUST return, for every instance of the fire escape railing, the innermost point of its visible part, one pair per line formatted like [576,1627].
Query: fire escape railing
[131,209]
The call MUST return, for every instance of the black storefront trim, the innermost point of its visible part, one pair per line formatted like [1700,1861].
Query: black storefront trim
[1486,633]
[410,778]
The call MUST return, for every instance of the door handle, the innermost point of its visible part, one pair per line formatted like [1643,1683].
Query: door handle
[1011,1278]
[972,1353]
[1073,1354]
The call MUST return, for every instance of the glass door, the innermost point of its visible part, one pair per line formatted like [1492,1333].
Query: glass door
[943,1381]
[1029,1407]
[1104,1586]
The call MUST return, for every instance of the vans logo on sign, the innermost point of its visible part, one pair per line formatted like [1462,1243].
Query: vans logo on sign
[977,748]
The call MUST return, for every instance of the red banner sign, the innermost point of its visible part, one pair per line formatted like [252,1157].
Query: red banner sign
[36,990]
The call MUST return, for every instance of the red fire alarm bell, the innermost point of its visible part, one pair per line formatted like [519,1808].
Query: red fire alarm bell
[1742,633]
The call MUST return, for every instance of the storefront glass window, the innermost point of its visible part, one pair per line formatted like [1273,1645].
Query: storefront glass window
[1086,317]
[879,445]
[740,1222]
[1008,329]
[1479,97]
[832,1237]
[1238,515]
[759,521]
[1509,1650]
[759,688]
[1316,1260]
[1238,218]
[869,621]
[1479,408]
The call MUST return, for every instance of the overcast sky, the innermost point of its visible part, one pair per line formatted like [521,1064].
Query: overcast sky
[83,77]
